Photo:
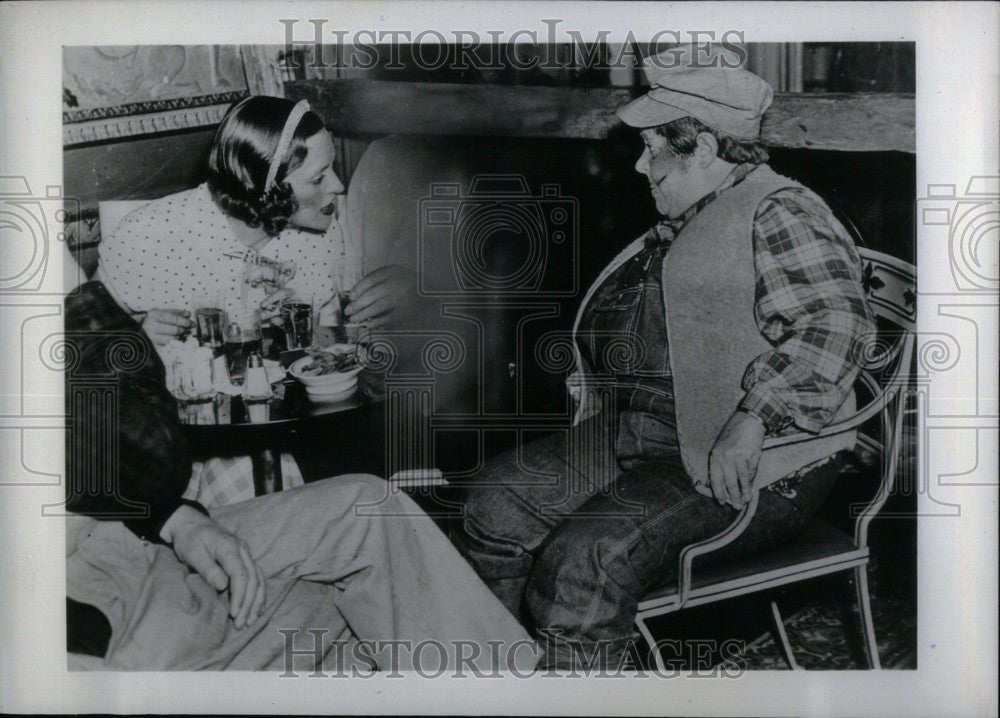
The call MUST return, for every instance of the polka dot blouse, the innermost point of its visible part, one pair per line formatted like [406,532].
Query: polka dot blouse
[167,253]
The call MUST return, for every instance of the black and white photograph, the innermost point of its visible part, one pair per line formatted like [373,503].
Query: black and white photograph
[522,358]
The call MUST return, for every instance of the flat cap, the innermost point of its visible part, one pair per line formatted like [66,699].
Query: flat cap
[703,82]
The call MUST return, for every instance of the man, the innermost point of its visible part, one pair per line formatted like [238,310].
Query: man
[181,589]
[742,313]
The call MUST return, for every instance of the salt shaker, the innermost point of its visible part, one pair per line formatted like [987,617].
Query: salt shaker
[256,382]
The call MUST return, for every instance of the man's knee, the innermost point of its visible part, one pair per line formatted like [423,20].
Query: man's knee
[495,514]
[579,570]
[568,563]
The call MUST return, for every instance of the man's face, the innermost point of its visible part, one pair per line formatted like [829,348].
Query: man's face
[315,184]
[674,181]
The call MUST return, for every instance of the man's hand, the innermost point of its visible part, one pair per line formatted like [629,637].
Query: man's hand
[163,325]
[732,463]
[219,557]
[382,296]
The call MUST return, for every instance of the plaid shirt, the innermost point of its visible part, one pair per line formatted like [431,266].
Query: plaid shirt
[809,304]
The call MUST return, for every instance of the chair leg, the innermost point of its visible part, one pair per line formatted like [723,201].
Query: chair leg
[786,647]
[868,624]
[647,636]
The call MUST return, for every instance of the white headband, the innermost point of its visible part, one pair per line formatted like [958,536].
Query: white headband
[285,141]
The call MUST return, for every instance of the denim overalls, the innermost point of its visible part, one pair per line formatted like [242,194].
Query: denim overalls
[623,336]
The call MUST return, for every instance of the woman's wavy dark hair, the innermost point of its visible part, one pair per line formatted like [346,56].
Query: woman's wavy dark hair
[682,136]
[241,153]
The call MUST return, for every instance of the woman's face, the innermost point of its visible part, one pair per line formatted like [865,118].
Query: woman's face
[670,175]
[315,184]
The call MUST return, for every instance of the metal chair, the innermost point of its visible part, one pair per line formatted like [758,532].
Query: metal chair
[821,548]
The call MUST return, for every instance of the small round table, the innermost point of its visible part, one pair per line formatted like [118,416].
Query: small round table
[223,429]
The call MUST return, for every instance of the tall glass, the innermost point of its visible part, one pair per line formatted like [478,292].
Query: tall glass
[340,329]
[190,379]
[350,273]
[297,319]
[210,320]
[243,338]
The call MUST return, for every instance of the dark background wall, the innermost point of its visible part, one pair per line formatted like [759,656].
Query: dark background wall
[875,190]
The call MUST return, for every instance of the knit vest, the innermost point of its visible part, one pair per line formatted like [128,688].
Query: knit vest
[708,289]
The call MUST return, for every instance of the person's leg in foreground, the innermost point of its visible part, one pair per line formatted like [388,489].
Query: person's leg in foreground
[346,561]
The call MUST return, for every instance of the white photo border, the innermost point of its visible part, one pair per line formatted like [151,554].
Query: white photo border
[957,98]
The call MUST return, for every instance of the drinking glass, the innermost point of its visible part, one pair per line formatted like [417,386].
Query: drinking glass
[351,271]
[191,381]
[297,319]
[340,328]
[243,338]
[210,319]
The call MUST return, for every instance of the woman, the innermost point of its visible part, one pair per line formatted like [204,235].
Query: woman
[263,227]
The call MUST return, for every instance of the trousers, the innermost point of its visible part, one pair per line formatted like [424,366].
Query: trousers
[570,541]
[346,560]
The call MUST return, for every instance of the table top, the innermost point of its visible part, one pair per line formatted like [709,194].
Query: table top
[222,425]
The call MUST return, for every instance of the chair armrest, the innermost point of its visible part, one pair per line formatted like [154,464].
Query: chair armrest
[881,399]
[724,538]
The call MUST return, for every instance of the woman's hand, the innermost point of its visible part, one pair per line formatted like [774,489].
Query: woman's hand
[221,558]
[270,307]
[382,296]
[164,325]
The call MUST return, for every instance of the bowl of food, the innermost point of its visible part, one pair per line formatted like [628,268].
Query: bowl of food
[339,394]
[328,370]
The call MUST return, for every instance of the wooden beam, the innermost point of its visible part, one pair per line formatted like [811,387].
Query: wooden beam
[850,122]
[870,122]
[260,63]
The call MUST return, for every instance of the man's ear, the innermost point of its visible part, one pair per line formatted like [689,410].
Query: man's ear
[706,149]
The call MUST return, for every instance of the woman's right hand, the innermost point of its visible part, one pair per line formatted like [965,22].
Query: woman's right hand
[163,325]
[270,307]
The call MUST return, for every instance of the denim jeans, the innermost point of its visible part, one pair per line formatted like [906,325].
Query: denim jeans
[571,542]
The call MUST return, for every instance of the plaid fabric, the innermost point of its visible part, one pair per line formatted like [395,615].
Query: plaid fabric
[222,481]
[810,304]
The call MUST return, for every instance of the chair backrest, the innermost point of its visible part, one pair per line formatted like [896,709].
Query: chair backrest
[890,286]
[113,212]
[885,358]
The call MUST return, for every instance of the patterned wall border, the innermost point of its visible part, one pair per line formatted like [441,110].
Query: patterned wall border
[110,124]
[144,108]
